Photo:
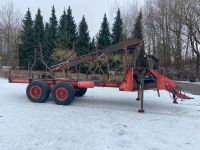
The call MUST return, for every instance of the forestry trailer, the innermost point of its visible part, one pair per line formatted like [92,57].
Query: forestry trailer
[114,67]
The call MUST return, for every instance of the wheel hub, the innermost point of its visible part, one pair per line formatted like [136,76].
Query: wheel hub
[35,92]
[61,94]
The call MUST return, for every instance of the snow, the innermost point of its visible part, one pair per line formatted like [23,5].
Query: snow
[104,119]
[187,82]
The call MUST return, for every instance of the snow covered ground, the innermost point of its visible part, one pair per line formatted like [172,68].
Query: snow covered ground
[104,119]
[187,82]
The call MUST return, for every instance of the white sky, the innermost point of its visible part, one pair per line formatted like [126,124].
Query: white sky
[92,9]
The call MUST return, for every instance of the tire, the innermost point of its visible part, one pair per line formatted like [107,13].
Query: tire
[80,92]
[63,93]
[38,91]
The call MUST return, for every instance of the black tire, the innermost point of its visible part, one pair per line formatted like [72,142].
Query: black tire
[63,93]
[80,92]
[38,91]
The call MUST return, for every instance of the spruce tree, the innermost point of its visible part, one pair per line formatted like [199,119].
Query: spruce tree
[104,37]
[48,44]
[38,27]
[92,45]
[137,30]
[53,28]
[51,34]
[26,50]
[63,37]
[117,30]
[39,39]
[137,33]
[47,31]
[83,40]
[71,28]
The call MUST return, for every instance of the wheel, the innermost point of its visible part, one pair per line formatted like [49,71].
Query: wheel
[80,92]
[38,91]
[63,93]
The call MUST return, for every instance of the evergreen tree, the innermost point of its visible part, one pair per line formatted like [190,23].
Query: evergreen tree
[92,45]
[83,40]
[48,43]
[38,27]
[117,31]
[104,34]
[137,33]
[51,34]
[53,28]
[137,30]
[39,39]
[26,50]
[63,38]
[47,31]
[71,28]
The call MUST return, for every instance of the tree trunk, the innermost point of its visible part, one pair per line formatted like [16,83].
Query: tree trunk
[197,67]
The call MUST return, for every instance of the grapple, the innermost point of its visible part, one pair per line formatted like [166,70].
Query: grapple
[164,83]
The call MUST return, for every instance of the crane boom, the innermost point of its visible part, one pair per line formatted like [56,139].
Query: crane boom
[128,44]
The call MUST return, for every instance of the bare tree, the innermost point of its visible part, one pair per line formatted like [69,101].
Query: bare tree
[129,12]
[192,22]
[172,32]
[10,23]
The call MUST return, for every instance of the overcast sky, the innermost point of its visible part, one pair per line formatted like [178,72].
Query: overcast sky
[92,9]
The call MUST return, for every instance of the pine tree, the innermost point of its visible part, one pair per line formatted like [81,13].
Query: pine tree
[83,40]
[39,39]
[104,34]
[137,33]
[71,28]
[117,31]
[26,50]
[63,37]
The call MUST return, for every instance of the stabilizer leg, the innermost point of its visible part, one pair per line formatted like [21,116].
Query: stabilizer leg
[141,110]
[175,99]
[138,91]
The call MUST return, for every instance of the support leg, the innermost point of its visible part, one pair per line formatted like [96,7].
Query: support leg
[175,99]
[141,110]
[138,95]
[158,92]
